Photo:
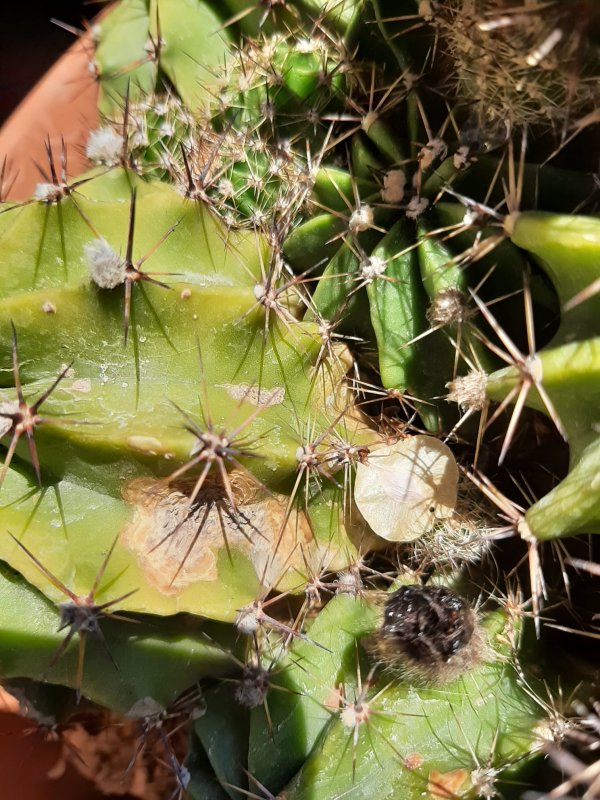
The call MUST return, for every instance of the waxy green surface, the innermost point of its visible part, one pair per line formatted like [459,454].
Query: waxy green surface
[199,348]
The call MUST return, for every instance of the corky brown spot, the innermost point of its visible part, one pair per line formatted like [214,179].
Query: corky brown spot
[177,546]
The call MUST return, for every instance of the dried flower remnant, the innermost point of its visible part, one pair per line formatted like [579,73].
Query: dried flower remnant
[404,488]
[104,146]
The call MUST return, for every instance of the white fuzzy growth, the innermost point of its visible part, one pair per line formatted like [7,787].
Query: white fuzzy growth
[484,781]
[300,454]
[448,307]
[165,161]
[349,718]
[47,192]
[361,219]
[166,129]
[394,186]
[139,138]
[107,269]
[416,206]
[104,146]
[276,166]
[247,621]
[305,45]
[259,292]
[470,218]
[435,148]
[373,268]
[461,158]
[257,219]
[349,582]
[355,714]
[226,188]
[245,80]
[468,391]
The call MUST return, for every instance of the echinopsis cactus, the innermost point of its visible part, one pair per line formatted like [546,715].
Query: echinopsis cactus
[291,378]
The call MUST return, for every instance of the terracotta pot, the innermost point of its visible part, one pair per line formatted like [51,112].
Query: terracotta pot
[31,768]
[62,105]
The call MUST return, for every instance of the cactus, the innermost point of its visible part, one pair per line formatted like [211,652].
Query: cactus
[282,371]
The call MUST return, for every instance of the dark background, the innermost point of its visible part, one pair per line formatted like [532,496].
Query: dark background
[30,42]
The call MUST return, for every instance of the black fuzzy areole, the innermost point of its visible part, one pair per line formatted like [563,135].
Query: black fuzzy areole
[428,633]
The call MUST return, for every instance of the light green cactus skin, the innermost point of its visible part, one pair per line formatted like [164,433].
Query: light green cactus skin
[30,638]
[124,395]
[255,134]
[567,248]
[141,38]
[483,721]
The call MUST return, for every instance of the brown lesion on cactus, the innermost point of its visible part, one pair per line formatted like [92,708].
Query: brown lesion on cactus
[177,546]
[447,785]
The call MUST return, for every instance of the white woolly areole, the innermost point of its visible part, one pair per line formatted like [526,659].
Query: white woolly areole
[404,488]
[394,186]
[416,206]
[247,621]
[306,45]
[373,268]
[349,582]
[104,146]
[47,192]
[107,269]
[350,718]
[435,148]
[468,390]
[361,219]
[259,291]
[461,158]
